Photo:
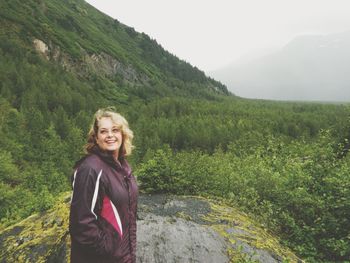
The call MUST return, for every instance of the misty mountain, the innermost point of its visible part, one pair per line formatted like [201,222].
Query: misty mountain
[310,67]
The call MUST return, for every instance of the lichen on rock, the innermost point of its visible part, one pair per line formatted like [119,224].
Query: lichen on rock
[248,241]
[36,238]
[170,229]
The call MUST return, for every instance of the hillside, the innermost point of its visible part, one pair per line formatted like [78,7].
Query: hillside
[59,62]
[308,68]
[102,52]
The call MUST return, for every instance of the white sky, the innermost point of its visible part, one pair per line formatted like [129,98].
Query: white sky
[210,34]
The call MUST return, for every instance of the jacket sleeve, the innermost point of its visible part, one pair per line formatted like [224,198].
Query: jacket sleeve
[133,225]
[133,238]
[83,224]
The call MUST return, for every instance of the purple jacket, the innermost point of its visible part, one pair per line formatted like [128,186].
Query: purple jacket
[103,211]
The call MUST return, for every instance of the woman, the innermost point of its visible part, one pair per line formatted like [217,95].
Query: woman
[104,201]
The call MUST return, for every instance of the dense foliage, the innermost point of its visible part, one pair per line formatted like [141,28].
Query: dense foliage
[299,190]
[284,163]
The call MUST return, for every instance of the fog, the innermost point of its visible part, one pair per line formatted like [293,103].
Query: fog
[310,67]
[213,35]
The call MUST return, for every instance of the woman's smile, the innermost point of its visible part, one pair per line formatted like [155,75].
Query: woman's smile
[109,136]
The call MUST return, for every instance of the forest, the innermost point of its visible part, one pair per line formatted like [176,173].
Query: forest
[285,164]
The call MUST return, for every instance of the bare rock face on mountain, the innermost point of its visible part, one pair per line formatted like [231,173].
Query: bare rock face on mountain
[170,229]
[101,64]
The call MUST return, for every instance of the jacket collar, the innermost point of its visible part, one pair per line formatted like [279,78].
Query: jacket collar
[108,158]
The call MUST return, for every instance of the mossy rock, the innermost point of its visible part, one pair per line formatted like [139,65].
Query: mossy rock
[246,240]
[249,241]
[44,237]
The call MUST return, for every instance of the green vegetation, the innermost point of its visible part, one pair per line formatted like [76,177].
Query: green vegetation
[284,163]
[299,190]
[40,238]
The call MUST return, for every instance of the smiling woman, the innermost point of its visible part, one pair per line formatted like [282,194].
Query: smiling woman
[104,201]
[109,137]
[110,127]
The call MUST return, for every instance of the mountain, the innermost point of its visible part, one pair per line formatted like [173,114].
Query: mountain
[99,51]
[310,67]
[59,62]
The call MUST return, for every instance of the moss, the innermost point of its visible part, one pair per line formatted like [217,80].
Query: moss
[44,237]
[183,215]
[39,237]
[238,229]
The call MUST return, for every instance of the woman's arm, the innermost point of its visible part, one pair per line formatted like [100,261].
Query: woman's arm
[133,225]
[83,224]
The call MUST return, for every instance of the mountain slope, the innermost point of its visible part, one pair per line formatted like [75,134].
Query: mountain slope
[81,38]
[59,62]
[308,68]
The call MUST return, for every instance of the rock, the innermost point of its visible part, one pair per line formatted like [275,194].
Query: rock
[100,64]
[41,47]
[37,238]
[170,229]
[162,240]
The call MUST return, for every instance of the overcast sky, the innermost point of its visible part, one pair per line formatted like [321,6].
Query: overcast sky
[213,33]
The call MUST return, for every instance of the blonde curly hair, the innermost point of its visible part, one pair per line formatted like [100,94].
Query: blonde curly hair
[120,121]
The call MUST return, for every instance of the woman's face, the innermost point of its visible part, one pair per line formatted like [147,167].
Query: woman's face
[109,136]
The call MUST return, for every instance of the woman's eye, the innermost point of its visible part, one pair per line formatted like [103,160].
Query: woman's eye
[115,130]
[103,132]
